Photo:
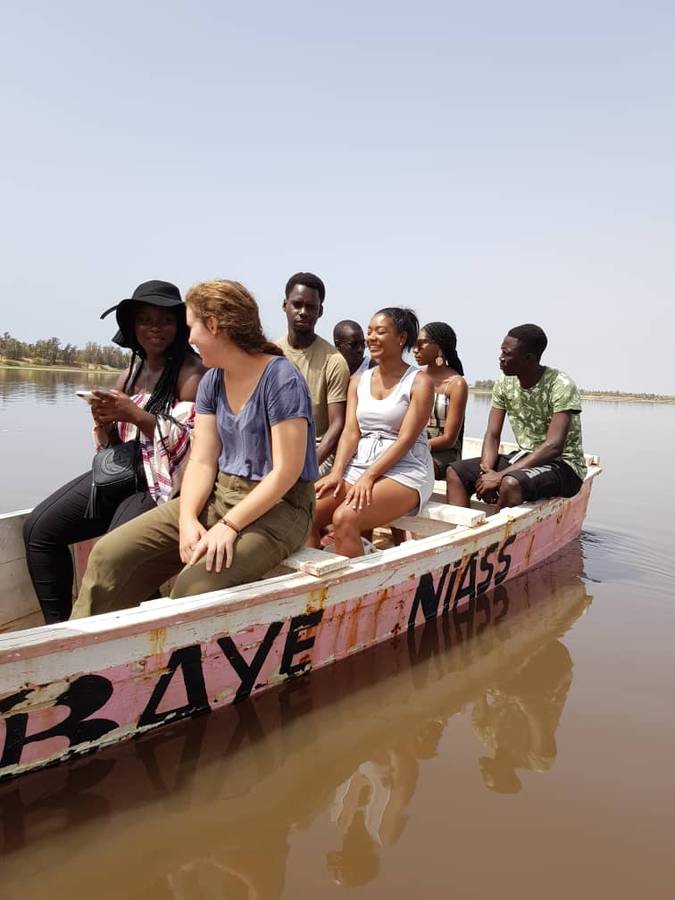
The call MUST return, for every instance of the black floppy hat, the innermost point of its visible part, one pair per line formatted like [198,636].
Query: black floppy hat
[156,293]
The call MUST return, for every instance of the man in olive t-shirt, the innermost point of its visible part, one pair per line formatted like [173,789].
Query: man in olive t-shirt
[543,407]
[323,366]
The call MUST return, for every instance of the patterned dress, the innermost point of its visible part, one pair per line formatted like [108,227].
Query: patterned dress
[439,413]
[165,454]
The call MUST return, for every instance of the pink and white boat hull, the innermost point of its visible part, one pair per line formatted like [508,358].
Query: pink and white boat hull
[70,688]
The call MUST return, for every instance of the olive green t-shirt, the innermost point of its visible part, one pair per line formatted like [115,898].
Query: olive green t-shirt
[326,373]
[530,411]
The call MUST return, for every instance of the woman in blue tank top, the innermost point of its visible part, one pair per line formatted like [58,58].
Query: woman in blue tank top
[383,467]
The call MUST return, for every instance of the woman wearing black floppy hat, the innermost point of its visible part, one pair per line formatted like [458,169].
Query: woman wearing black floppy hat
[153,401]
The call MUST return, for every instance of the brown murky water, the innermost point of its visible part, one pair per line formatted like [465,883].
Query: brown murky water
[523,749]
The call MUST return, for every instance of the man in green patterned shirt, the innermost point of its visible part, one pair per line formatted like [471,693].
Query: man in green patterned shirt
[544,407]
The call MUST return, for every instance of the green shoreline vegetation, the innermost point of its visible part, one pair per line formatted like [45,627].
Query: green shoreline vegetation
[15,365]
[50,354]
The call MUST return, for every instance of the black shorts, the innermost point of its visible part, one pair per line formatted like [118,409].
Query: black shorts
[443,459]
[554,479]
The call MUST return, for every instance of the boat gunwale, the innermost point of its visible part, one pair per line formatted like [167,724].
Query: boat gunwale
[16,512]
[107,627]
[550,622]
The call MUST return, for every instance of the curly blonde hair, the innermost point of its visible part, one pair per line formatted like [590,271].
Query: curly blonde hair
[235,311]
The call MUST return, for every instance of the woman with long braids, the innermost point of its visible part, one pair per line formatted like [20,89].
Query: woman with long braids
[247,498]
[383,466]
[436,348]
[152,401]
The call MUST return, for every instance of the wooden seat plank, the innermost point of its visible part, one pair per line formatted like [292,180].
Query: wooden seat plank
[421,527]
[442,515]
[455,515]
[315,562]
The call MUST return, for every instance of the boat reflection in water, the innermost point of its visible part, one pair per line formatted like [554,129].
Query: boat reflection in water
[211,804]
[518,716]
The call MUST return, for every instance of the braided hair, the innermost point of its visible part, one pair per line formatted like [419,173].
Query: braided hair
[165,392]
[404,320]
[443,335]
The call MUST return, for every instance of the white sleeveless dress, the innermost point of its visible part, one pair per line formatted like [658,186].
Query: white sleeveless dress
[379,422]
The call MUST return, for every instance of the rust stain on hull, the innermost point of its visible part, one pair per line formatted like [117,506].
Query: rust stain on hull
[156,641]
[316,600]
[530,546]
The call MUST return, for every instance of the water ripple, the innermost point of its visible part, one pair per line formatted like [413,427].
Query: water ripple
[615,555]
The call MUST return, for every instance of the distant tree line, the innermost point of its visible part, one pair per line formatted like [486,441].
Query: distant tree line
[487,384]
[50,352]
[633,395]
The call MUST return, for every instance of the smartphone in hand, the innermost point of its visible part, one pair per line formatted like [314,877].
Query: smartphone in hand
[90,396]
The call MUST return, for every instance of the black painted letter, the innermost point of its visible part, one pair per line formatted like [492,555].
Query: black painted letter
[189,659]
[294,646]
[83,697]
[248,673]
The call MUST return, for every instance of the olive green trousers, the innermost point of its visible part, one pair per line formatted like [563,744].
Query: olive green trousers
[128,565]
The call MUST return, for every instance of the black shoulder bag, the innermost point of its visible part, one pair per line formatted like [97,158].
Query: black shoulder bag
[116,473]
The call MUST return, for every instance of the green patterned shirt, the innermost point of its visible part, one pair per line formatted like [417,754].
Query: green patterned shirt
[530,411]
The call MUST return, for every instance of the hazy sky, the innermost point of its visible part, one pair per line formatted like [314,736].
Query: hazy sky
[487,164]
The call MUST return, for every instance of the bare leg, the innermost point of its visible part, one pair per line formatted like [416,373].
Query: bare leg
[456,493]
[510,493]
[325,507]
[389,501]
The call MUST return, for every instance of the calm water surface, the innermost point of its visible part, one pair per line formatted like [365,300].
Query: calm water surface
[523,749]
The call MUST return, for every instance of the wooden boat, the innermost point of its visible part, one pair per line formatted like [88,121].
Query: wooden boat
[70,688]
[241,777]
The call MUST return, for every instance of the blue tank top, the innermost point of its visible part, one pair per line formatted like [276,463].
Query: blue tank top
[281,393]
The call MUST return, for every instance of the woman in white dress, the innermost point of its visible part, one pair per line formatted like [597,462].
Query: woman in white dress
[383,467]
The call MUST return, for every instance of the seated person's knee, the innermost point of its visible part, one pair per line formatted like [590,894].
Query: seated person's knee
[510,492]
[345,519]
[103,556]
[452,477]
